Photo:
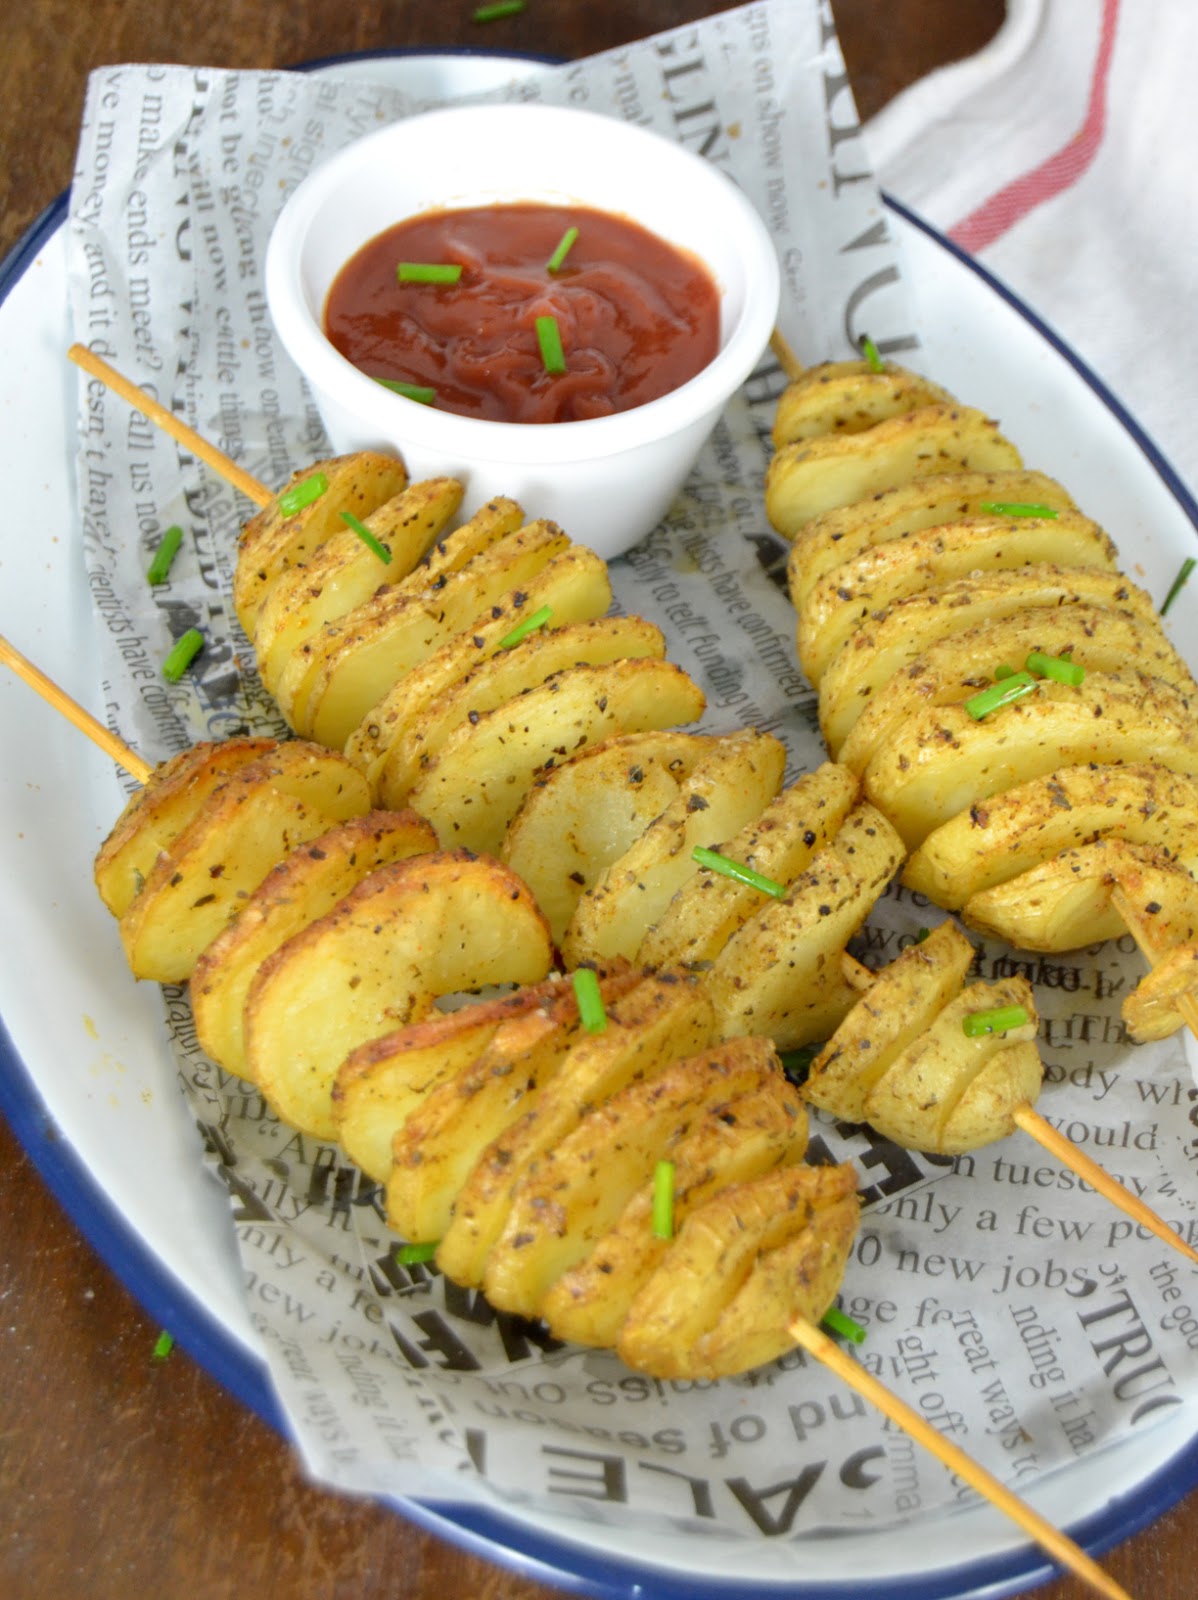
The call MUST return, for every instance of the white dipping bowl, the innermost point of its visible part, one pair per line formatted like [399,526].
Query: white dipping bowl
[606,480]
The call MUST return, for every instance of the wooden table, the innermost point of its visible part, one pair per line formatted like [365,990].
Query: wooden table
[113,1468]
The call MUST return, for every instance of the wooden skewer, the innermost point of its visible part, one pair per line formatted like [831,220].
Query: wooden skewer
[170,423]
[74,712]
[1057,1544]
[787,360]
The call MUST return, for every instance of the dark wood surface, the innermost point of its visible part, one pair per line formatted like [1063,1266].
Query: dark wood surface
[114,1469]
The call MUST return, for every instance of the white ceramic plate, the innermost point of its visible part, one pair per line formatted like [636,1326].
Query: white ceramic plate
[86,1078]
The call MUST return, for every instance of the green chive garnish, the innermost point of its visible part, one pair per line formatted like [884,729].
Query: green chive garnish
[163,1346]
[428,271]
[550,341]
[501,8]
[924,933]
[733,869]
[168,549]
[182,653]
[1003,671]
[1001,1020]
[410,391]
[836,1322]
[663,1200]
[590,1002]
[1057,668]
[1016,508]
[870,351]
[564,245]
[538,619]
[1000,694]
[1179,583]
[367,538]
[797,1063]
[410,1255]
[302,494]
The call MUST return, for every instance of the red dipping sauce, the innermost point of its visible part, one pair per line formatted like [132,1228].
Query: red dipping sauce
[637,317]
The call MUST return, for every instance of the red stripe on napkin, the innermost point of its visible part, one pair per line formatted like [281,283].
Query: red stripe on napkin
[994,216]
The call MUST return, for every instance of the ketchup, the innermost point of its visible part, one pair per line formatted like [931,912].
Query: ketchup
[637,316]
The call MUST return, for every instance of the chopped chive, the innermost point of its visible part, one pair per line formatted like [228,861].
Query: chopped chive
[1017,508]
[1000,694]
[500,8]
[550,340]
[302,494]
[1057,668]
[1000,1020]
[538,619]
[797,1063]
[428,271]
[836,1322]
[870,351]
[168,549]
[163,1346]
[663,1200]
[410,391]
[182,653]
[1179,583]
[410,1255]
[367,538]
[733,869]
[1003,671]
[924,933]
[564,246]
[590,1002]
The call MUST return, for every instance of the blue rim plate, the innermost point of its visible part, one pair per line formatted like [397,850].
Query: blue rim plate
[174,1291]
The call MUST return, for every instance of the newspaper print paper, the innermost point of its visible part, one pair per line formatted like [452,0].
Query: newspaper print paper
[1019,1314]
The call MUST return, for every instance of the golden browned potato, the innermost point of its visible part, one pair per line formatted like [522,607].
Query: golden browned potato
[475,786]
[744,1266]
[275,539]
[817,475]
[659,1020]
[302,887]
[727,788]
[578,819]
[1158,1005]
[344,572]
[408,934]
[159,812]
[752,1135]
[847,397]
[201,881]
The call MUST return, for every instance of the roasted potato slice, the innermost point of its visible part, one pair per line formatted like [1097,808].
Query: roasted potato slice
[259,814]
[843,600]
[887,643]
[579,818]
[274,539]
[343,671]
[160,810]
[945,497]
[818,475]
[749,1136]
[946,1092]
[780,973]
[305,885]
[406,935]
[575,587]
[1155,1008]
[474,788]
[504,676]
[727,788]
[434,1150]
[838,397]
[743,1267]
[381,1083]
[344,572]
[896,1009]
[1069,901]
[780,844]
[952,672]
[660,1020]
[942,762]
[1000,838]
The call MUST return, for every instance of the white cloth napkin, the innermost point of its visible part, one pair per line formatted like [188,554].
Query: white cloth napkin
[1064,156]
